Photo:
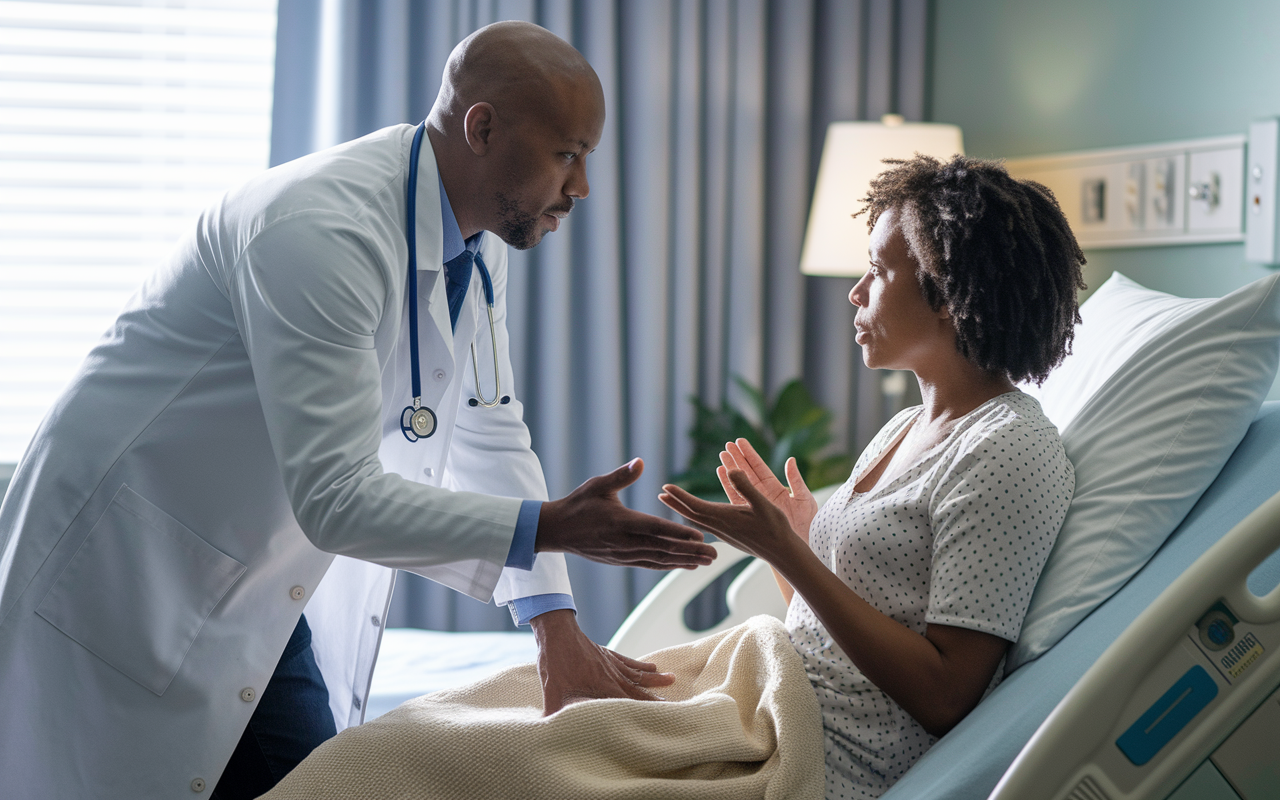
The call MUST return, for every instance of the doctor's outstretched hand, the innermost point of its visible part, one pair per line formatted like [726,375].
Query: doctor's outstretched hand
[592,522]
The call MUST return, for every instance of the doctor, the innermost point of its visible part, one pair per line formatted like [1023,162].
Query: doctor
[231,454]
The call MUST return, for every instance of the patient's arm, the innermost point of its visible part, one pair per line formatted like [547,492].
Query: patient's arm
[938,678]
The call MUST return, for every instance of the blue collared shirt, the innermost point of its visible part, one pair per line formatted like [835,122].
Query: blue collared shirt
[522,553]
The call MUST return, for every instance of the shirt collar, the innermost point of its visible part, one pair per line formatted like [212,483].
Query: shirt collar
[453,241]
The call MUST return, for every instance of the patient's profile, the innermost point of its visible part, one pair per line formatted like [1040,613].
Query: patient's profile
[905,589]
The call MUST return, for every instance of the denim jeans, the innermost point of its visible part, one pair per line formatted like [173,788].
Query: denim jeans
[291,720]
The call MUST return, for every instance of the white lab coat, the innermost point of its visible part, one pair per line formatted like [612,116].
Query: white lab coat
[235,430]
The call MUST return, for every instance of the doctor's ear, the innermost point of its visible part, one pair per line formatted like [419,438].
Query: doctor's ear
[478,125]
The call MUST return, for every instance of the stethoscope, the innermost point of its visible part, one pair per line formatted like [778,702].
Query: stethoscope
[417,421]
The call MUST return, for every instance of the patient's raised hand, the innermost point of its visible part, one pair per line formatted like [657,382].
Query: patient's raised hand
[797,502]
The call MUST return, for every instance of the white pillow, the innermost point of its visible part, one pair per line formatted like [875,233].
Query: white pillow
[1155,396]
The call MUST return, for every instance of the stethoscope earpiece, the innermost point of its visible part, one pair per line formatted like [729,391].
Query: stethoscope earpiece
[474,402]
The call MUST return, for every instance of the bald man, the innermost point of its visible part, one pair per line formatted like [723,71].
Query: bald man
[256,436]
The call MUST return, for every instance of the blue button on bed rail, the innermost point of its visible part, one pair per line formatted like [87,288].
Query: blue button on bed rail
[1168,715]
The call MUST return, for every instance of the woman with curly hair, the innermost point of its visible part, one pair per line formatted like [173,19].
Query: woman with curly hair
[907,587]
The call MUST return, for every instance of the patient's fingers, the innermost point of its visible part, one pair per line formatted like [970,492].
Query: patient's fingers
[722,472]
[709,522]
[680,501]
[696,505]
[795,480]
[751,462]
[742,482]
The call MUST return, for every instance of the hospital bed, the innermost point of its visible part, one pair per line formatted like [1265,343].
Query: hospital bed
[969,761]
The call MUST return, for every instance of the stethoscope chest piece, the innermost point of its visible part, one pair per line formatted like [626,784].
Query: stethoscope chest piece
[417,423]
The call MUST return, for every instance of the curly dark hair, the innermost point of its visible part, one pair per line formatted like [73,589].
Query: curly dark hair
[996,251]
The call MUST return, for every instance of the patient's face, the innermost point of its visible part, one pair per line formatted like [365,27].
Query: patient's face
[896,328]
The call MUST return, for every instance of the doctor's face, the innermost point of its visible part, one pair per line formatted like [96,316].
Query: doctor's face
[542,170]
[896,327]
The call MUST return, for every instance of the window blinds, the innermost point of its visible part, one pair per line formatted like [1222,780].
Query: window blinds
[119,121]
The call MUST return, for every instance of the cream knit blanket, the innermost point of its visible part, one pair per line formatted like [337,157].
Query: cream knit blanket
[741,721]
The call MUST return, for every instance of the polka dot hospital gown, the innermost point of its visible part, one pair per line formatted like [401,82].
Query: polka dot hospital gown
[958,538]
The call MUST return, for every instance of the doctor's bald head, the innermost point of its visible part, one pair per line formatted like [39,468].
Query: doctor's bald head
[519,110]
[512,64]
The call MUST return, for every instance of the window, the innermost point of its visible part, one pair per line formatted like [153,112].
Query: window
[119,121]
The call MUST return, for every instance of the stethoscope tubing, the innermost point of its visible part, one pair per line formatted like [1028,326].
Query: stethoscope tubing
[416,421]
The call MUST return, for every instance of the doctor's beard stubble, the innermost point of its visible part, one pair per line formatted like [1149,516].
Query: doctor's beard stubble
[518,227]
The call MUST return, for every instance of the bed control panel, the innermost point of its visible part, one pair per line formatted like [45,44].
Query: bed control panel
[1185,703]
[1181,694]
[1168,715]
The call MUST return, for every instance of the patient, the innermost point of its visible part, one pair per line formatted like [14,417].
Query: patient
[907,587]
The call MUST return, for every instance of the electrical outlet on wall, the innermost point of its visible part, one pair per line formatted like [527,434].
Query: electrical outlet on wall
[1093,197]
[1215,190]
[1164,193]
[1135,194]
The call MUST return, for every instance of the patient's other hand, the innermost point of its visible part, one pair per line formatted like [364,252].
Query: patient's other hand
[574,668]
[592,522]
[797,503]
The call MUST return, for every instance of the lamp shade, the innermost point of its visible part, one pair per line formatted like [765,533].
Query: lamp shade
[835,243]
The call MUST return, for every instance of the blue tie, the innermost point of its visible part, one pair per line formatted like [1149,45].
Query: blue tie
[457,275]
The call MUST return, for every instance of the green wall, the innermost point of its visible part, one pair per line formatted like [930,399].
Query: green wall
[1042,76]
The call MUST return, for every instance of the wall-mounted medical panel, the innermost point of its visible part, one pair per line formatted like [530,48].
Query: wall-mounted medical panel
[1189,192]
[1262,215]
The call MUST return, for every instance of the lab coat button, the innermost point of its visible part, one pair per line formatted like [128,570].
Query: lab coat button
[197,785]
[376,622]
[297,593]
[247,694]
[440,375]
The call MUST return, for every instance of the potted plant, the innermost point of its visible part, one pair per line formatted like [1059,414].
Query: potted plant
[791,424]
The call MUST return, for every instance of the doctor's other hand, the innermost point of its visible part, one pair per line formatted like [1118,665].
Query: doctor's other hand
[573,668]
[795,500]
[593,523]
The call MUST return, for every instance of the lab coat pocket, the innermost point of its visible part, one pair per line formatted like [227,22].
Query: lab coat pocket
[139,589]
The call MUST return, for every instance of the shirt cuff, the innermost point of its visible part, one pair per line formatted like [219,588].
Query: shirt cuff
[521,554]
[524,609]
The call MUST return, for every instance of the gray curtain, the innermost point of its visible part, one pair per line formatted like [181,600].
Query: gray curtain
[680,270]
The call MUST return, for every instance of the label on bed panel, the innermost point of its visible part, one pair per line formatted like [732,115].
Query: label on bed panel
[1168,716]
[1241,656]
[1226,642]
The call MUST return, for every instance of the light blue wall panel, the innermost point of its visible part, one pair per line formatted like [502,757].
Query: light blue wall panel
[1036,76]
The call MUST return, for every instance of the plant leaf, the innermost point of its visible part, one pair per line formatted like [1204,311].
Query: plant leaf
[795,425]
[789,410]
[758,407]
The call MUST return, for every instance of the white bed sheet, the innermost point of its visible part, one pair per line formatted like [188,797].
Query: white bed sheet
[413,662]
